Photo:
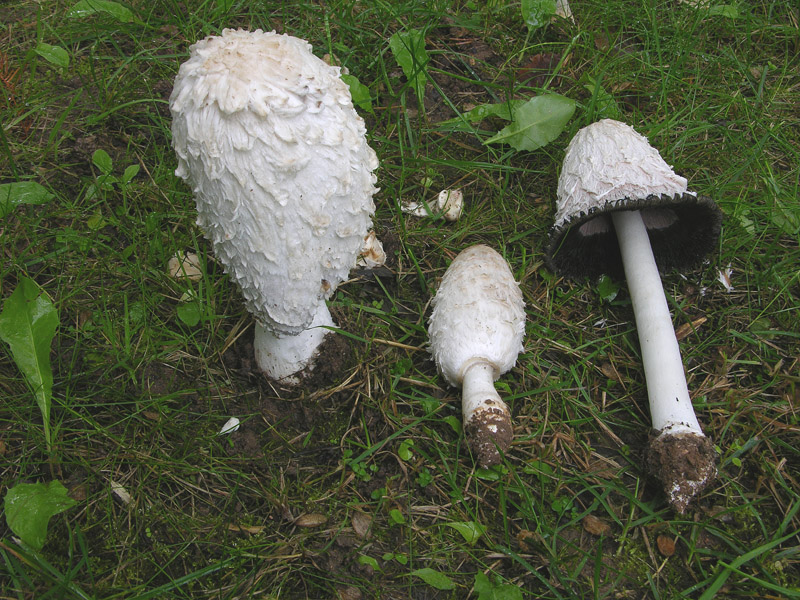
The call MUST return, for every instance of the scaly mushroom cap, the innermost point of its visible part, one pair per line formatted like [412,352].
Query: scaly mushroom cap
[277,158]
[608,166]
[478,314]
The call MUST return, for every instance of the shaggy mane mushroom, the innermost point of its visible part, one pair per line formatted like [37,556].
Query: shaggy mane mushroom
[476,331]
[267,137]
[621,208]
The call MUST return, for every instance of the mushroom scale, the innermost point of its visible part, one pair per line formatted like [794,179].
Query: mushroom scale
[267,137]
[476,330]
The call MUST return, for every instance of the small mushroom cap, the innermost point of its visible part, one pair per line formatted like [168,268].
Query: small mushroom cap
[608,166]
[267,137]
[478,315]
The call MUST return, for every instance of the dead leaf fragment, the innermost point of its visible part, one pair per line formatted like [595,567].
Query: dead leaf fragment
[610,372]
[687,328]
[120,492]
[310,520]
[361,524]
[253,529]
[350,593]
[185,266]
[596,526]
[666,545]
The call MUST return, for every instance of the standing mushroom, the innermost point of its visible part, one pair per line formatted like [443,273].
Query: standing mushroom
[476,330]
[622,208]
[277,158]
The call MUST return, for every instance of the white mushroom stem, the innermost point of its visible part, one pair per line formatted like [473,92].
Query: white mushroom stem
[680,454]
[283,356]
[478,391]
[671,409]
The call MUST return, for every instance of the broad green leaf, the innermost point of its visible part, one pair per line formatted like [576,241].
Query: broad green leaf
[86,8]
[404,451]
[786,216]
[189,313]
[502,110]
[369,561]
[607,288]
[537,13]
[102,161]
[435,579]
[53,54]
[359,93]
[29,506]
[488,591]
[21,192]
[129,173]
[408,48]
[537,122]
[469,530]
[27,324]
[454,423]
[397,516]
[731,11]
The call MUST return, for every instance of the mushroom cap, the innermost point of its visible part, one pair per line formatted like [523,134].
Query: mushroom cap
[478,315]
[267,137]
[608,166]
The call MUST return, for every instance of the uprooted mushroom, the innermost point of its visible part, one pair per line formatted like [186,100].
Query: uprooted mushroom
[621,208]
[476,331]
[282,175]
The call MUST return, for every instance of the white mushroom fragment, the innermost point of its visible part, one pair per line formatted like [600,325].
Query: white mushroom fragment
[476,331]
[267,137]
[449,204]
[621,207]
[372,253]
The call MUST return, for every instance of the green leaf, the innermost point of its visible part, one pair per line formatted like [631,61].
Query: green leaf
[53,54]
[87,8]
[502,110]
[469,530]
[359,93]
[21,192]
[27,324]
[607,288]
[435,579]
[454,423]
[404,451]
[537,122]
[189,313]
[102,161]
[397,516]
[408,48]
[369,561]
[731,11]
[29,506]
[488,591]
[129,173]
[537,13]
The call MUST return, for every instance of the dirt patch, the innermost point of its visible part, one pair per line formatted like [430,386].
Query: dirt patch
[331,362]
[685,464]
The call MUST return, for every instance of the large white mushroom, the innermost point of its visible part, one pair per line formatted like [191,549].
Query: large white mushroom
[621,208]
[267,137]
[476,331]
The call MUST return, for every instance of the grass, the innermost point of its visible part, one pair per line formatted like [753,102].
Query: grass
[347,489]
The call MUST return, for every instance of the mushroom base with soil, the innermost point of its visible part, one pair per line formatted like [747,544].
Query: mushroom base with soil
[684,463]
[487,420]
